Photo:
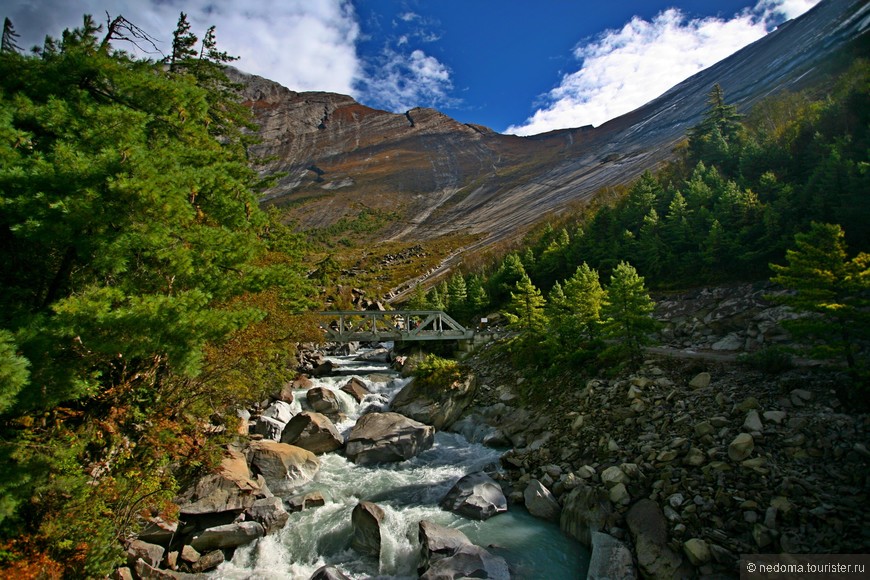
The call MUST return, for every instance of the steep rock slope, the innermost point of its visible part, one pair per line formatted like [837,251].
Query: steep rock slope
[438,176]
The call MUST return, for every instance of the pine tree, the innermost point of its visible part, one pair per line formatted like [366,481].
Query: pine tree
[183,43]
[585,298]
[834,291]
[627,313]
[526,308]
[9,43]
[209,49]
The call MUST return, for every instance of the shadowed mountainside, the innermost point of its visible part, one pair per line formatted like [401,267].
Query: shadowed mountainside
[438,176]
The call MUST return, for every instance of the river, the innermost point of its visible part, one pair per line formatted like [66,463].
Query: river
[408,492]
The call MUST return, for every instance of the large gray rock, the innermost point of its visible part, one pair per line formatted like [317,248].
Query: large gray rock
[611,559]
[649,530]
[270,512]
[436,542]
[230,488]
[227,536]
[323,400]
[475,496]
[152,554]
[268,427]
[281,411]
[312,431]
[540,501]
[438,406]
[382,437]
[284,467]
[586,510]
[468,561]
[356,389]
[366,520]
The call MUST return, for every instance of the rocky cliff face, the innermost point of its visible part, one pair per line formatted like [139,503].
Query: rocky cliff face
[438,176]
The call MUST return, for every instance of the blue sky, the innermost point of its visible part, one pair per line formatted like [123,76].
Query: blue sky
[515,66]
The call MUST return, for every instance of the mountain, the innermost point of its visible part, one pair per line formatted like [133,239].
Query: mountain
[434,176]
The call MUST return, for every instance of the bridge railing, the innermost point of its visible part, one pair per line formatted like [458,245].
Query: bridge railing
[399,325]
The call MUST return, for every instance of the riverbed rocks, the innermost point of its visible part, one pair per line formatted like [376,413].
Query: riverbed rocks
[386,437]
[366,520]
[476,496]
[284,467]
[448,553]
[737,461]
[312,431]
[437,405]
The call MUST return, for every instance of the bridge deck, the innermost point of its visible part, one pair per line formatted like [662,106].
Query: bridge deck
[397,325]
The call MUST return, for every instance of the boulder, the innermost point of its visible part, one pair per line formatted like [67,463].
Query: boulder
[323,369]
[323,400]
[540,501]
[283,466]
[308,500]
[328,573]
[227,536]
[382,437]
[366,520]
[587,509]
[281,411]
[269,512]
[152,554]
[312,431]
[209,561]
[230,488]
[610,560]
[476,496]
[468,561]
[158,531]
[438,406]
[356,389]
[648,528]
[436,542]
[613,475]
[268,428]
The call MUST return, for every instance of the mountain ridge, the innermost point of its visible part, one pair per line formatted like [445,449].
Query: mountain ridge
[443,177]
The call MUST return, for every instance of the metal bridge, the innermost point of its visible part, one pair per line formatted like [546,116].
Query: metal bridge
[397,325]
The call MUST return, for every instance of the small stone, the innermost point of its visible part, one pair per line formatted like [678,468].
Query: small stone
[676,499]
[719,422]
[781,503]
[585,472]
[619,494]
[697,551]
[753,422]
[775,416]
[756,463]
[695,457]
[748,404]
[666,456]
[578,423]
[800,397]
[761,535]
[613,475]
[701,381]
[750,517]
[612,446]
[741,447]
[703,428]
[632,470]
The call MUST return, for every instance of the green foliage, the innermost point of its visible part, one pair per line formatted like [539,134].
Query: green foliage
[14,374]
[436,372]
[142,291]
[525,311]
[628,314]
[770,360]
[833,291]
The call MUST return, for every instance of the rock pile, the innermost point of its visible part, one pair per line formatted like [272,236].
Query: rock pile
[688,464]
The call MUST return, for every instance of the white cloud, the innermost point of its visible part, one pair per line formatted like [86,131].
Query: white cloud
[399,81]
[624,69]
[303,45]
